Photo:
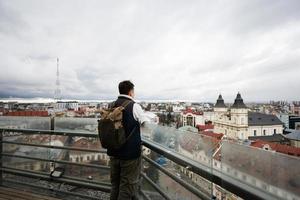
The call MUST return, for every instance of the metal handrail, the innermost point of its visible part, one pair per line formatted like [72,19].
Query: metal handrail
[57,161]
[56,147]
[50,132]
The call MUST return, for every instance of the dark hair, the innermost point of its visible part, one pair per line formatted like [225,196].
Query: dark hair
[125,87]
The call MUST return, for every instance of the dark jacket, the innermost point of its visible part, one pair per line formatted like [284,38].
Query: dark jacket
[132,148]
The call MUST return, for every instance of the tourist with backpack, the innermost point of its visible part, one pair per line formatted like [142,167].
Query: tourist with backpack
[119,132]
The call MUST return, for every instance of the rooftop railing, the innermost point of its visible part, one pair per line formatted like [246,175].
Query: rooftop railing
[178,164]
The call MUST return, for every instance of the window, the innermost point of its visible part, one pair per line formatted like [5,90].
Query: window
[190,121]
[264,186]
[274,131]
[254,133]
[244,177]
[264,131]
[228,170]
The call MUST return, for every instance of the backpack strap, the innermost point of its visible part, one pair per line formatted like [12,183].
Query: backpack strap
[112,105]
[129,136]
[125,103]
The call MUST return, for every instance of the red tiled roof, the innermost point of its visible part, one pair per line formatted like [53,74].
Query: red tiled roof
[192,112]
[290,150]
[205,127]
[212,134]
[41,113]
[192,142]
[189,143]
[85,143]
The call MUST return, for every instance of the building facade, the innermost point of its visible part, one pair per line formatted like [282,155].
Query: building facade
[239,123]
[193,118]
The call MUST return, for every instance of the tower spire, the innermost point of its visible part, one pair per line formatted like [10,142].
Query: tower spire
[238,102]
[57,92]
[220,102]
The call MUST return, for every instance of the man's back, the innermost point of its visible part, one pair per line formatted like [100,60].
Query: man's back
[132,148]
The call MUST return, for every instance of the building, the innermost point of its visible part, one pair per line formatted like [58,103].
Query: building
[239,123]
[87,157]
[66,105]
[263,124]
[194,118]
[284,117]
[295,108]
[294,122]
[293,136]
[190,117]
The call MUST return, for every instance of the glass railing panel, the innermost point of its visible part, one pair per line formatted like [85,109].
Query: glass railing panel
[187,143]
[170,185]
[99,160]
[269,171]
[19,122]
[73,172]
[76,124]
[190,144]
[25,158]
[14,148]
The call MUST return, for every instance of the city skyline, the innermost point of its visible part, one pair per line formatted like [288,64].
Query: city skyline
[170,50]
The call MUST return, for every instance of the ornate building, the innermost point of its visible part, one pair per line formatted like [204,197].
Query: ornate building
[239,123]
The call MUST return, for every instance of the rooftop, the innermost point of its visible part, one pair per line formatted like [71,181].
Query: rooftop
[290,150]
[17,194]
[259,119]
[270,138]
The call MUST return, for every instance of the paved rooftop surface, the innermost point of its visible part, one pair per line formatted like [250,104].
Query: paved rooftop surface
[13,194]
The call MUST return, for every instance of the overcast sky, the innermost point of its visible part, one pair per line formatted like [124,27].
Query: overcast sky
[190,50]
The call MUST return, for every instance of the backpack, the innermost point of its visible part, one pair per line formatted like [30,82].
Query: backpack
[110,129]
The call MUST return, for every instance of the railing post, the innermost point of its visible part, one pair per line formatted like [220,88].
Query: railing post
[51,164]
[1,137]
[52,123]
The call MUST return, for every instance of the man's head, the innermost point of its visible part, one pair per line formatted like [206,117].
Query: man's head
[127,88]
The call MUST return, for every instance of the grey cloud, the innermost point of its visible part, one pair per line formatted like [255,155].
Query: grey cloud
[169,49]
[11,22]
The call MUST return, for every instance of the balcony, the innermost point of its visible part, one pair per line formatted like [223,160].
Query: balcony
[177,164]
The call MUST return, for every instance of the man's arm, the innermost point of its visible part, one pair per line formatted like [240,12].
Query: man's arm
[139,114]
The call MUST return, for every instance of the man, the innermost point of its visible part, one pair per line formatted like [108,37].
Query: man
[125,163]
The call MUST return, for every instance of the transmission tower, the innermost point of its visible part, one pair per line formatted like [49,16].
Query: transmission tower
[57,92]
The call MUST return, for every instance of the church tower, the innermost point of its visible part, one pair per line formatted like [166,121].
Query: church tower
[220,106]
[239,117]
[220,115]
